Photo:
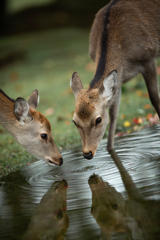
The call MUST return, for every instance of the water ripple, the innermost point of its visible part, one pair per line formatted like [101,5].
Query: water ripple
[139,153]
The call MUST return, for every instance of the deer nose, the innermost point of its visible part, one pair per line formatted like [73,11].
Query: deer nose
[93,179]
[61,161]
[88,155]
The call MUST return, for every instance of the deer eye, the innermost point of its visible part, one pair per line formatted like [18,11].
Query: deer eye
[44,136]
[60,215]
[98,120]
[74,123]
[114,206]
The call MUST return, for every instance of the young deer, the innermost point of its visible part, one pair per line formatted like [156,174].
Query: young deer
[124,41]
[50,219]
[30,128]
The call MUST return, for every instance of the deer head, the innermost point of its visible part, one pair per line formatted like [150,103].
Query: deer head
[50,220]
[29,127]
[91,116]
[110,212]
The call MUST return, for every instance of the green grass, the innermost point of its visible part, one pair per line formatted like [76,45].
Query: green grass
[50,59]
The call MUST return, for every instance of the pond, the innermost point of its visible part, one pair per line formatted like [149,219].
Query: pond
[116,195]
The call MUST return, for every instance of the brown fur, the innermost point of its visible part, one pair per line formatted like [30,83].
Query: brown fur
[133,44]
[128,32]
[133,34]
[40,118]
[6,107]
[28,127]
[84,106]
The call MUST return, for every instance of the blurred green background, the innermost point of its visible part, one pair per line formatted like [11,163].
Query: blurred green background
[42,43]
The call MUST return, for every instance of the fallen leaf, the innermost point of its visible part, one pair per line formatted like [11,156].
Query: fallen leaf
[122,116]
[149,115]
[67,122]
[127,124]
[139,93]
[147,106]
[146,95]
[140,120]
[49,111]
[120,134]
[135,120]
[135,128]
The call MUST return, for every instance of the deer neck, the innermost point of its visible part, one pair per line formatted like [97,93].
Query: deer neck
[7,117]
[129,184]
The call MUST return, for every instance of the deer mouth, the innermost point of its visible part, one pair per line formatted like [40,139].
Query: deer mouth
[51,163]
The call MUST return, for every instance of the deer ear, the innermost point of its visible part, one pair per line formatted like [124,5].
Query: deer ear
[21,110]
[76,84]
[34,99]
[109,86]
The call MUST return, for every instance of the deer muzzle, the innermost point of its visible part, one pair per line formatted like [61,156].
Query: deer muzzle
[88,155]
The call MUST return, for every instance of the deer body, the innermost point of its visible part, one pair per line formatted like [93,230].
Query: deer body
[30,128]
[124,41]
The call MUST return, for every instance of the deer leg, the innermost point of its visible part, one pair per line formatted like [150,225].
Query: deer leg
[150,77]
[113,114]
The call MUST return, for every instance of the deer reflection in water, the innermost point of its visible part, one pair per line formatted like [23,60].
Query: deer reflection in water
[50,220]
[138,217]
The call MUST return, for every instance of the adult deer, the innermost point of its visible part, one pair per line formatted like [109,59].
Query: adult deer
[124,41]
[136,215]
[30,128]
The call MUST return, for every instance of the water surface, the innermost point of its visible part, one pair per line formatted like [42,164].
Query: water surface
[113,196]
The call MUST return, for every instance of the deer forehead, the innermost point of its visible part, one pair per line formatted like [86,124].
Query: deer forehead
[84,109]
[40,119]
[86,103]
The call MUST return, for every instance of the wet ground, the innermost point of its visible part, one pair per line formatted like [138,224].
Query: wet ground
[116,195]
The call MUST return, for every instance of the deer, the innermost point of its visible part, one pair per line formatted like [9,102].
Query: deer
[30,128]
[124,41]
[50,219]
[109,210]
[135,216]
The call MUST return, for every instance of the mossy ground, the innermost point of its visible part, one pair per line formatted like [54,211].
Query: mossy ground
[48,60]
